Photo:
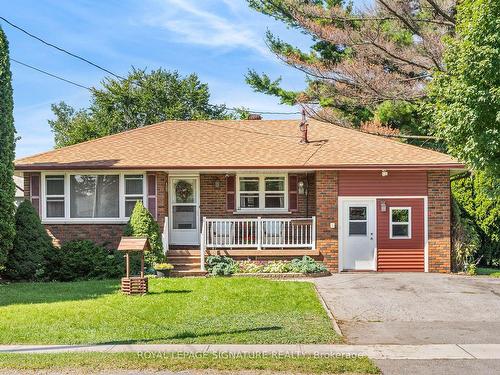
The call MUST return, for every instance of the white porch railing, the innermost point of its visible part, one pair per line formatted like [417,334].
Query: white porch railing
[258,233]
[164,236]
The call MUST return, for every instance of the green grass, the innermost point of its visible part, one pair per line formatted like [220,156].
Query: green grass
[176,362]
[492,272]
[189,310]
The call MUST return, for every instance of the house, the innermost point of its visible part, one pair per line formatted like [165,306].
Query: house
[258,189]
[19,197]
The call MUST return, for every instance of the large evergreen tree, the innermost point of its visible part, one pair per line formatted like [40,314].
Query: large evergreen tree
[143,98]
[359,60]
[7,147]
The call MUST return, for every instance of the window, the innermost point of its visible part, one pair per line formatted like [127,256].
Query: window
[357,221]
[249,192]
[54,193]
[94,196]
[400,225]
[134,191]
[274,192]
[265,192]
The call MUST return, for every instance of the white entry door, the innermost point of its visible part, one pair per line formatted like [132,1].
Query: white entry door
[183,217]
[358,235]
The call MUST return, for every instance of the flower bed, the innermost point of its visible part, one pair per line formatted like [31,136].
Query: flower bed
[225,266]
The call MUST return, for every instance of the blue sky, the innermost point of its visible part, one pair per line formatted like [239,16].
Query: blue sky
[217,39]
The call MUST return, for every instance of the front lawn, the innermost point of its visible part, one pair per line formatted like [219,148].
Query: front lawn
[492,272]
[181,362]
[189,310]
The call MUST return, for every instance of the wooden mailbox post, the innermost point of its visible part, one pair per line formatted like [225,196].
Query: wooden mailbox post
[134,284]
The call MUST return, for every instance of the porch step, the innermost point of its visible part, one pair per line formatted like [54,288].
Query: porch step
[183,252]
[187,273]
[186,266]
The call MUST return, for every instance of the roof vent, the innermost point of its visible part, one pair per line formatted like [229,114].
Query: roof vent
[254,116]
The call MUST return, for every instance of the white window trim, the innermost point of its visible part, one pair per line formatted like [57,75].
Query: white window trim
[69,220]
[391,236]
[365,206]
[125,195]
[262,194]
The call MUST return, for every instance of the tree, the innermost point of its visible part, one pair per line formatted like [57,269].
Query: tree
[465,98]
[32,254]
[143,98]
[358,59]
[7,147]
[142,224]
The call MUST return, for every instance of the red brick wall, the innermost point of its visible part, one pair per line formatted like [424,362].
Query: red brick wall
[102,234]
[161,198]
[438,190]
[213,199]
[326,213]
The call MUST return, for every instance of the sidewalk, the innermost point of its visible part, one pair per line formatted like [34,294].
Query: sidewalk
[424,352]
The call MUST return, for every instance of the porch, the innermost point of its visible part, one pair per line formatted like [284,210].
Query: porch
[243,238]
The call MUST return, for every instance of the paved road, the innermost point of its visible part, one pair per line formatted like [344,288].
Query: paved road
[414,308]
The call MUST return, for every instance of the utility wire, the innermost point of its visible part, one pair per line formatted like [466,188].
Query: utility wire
[50,74]
[106,70]
[60,48]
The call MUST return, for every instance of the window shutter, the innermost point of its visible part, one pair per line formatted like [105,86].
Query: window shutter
[35,192]
[231,193]
[293,194]
[151,180]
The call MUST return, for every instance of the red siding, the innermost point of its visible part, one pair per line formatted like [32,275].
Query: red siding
[371,183]
[400,254]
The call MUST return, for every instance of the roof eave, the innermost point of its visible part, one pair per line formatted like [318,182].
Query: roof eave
[422,166]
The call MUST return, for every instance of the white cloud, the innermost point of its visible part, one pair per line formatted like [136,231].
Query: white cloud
[194,23]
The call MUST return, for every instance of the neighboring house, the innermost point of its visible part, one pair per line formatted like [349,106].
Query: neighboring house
[254,189]
[19,181]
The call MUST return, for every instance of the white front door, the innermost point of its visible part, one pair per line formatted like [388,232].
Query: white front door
[184,202]
[358,234]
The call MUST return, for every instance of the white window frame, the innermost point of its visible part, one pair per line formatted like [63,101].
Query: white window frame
[60,196]
[365,206]
[125,195]
[262,193]
[67,202]
[391,236]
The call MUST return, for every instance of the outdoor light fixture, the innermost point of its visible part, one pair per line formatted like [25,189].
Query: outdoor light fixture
[385,173]
[217,183]
[383,206]
[301,187]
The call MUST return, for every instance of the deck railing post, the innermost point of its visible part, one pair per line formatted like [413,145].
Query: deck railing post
[164,236]
[313,231]
[203,243]
[259,233]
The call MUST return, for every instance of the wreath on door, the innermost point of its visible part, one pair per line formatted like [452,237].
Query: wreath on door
[184,190]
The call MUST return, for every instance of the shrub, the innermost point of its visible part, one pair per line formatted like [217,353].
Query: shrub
[81,260]
[142,224]
[465,239]
[278,266]
[307,264]
[249,266]
[32,254]
[220,265]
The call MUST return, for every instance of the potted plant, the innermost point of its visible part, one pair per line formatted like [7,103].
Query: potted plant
[163,269]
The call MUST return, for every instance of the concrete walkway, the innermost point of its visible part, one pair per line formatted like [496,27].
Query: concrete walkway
[436,351]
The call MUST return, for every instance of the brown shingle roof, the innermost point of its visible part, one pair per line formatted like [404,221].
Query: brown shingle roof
[230,144]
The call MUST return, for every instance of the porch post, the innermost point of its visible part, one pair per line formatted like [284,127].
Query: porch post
[203,243]
[259,233]
[313,231]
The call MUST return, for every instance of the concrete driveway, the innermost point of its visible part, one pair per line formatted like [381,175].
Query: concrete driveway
[414,308]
